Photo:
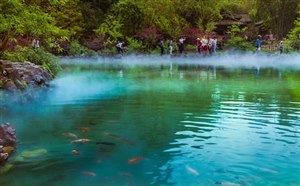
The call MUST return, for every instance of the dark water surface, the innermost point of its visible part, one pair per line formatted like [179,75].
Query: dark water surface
[184,123]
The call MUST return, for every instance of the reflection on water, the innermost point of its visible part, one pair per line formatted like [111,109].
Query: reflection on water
[159,124]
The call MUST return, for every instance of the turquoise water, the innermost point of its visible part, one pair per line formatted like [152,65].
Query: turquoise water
[188,123]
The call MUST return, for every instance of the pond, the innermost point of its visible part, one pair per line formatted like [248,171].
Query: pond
[150,120]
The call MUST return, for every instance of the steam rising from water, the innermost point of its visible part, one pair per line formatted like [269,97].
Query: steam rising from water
[81,86]
[231,60]
[92,83]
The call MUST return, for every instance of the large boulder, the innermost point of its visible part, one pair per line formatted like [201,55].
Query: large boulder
[8,141]
[19,75]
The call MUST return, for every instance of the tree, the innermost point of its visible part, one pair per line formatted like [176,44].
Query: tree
[18,19]
[130,16]
[293,38]
[163,15]
[278,15]
[237,39]
[68,16]
[201,14]
[111,30]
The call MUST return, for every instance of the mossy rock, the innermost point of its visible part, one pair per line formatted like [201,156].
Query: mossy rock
[33,153]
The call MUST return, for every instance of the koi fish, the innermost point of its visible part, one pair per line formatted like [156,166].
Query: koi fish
[75,152]
[105,143]
[83,140]
[88,173]
[135,160]
[111,135]
[225,183]
[120,138]
[84,129]
[191,170]
[69,134]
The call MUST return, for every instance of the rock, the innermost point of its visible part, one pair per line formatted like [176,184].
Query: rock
[8,141]
[9,85]
[34,153]
[7,135]
[18,75]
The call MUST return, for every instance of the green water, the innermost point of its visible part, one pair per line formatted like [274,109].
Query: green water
[189,124]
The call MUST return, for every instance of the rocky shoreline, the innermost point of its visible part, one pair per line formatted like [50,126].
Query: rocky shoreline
[16,76]
[8,142]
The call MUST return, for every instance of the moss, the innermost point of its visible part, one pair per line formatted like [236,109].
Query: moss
[24,84]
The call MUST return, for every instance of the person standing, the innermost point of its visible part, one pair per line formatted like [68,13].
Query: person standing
[181,45]
[33,43]
[199,45]
[161,46]
[204,42]
[281,47]
[214,45]
[119,47]
[171,46]
[258,43]
[37,44]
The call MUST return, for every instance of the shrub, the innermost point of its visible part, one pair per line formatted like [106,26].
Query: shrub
[94,43]
[134,45]
[77,49]
[238,40]
[38,56]
[239,43]
[150,37]
[191,34]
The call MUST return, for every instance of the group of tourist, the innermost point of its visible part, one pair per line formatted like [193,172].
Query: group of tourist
[205,45]
[35,43]
[271,40]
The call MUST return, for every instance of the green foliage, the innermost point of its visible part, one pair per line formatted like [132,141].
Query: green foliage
[130,15]
[111,29]
[76,49]
[235,30]
[37,56]
[200,13]
[134,46]
[293,38]
[239,43]
[55,21]
[162,15]
[237,40]
[278,15]
[18,19]
[69,16]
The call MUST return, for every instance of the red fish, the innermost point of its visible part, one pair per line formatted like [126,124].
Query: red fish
[69,134]
[75,152]
[84,129]
[88,173]
[135,160]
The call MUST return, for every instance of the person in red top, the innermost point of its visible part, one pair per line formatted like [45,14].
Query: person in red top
[199,45]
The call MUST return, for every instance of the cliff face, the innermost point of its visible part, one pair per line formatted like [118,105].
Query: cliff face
[20,75]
